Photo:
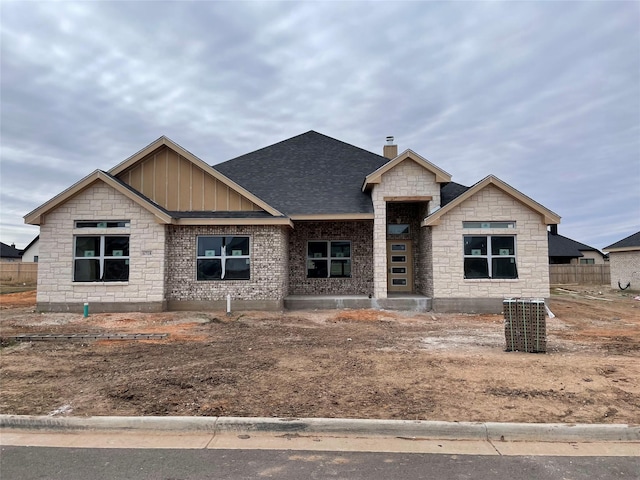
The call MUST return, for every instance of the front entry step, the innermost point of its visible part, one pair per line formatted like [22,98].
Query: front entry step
[413,303]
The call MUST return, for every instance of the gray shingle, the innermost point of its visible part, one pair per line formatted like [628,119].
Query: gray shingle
[307,174]
[560,246]
[450,191]
[7,251]
[632,240]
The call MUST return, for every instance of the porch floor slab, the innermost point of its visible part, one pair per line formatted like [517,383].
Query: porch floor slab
[406,302]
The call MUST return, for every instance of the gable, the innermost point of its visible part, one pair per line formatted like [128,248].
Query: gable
[37,216]
[546,215]
[407,156]
[177,184]
[177,161]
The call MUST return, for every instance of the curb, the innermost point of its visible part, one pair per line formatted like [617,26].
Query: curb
[490,431]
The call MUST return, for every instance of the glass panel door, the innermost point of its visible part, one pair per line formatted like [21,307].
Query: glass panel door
[399,266]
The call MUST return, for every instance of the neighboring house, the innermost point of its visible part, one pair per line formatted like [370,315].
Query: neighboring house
[9,253]
[308,217]
[563,250]
[31,252]
[624,259]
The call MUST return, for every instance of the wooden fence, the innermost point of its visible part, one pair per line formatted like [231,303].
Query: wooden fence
[19,272]
[558,274]
[580,274]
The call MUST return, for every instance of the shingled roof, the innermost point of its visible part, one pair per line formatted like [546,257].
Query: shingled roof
[450,191]
[631,241]
[560,246]
[310,174]
[8,251]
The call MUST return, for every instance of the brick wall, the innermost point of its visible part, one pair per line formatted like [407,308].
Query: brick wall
[361,236]
[625,268]
[490,204]
[424,277]
[55,270]
[405,179]
[269,264]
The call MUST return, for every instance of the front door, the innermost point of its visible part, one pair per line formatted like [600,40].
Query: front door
[399,262]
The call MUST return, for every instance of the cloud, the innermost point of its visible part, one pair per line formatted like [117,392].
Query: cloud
[544,95]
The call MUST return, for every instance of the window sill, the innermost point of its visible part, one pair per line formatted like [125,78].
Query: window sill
[329,278]
[99,283]
[224,280]
[486,280]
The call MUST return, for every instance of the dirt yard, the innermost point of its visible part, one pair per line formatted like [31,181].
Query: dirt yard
[350,363]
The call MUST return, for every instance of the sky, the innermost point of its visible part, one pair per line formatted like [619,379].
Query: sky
[543,95]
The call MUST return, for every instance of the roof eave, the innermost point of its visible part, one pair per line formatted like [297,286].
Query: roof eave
[548,217]
[622,249]
[233,221]
[332,216]
[376,176]
[36,217]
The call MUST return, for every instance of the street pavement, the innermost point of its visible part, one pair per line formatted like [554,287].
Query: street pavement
[181,448]
[26,463]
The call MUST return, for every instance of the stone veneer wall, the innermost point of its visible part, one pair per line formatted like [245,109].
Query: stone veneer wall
[361,235]
[625,268]
[56,289]
[405,179]
[266,288]
[490,204]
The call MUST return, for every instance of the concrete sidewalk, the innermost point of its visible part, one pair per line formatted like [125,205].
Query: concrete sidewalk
[322,434]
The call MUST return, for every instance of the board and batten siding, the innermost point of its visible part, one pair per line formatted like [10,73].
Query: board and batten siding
[177,184]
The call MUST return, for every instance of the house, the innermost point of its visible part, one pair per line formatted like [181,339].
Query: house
[9,253]
[309,219]
[624,259]
[563,250]
[32,251]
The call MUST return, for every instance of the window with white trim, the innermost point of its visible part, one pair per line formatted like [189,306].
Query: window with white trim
[101,258]
[223,258]
[329,259]
[490,256]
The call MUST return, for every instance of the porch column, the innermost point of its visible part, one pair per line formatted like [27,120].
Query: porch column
[379,244]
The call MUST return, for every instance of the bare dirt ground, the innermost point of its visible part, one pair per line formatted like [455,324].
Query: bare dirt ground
[348,363]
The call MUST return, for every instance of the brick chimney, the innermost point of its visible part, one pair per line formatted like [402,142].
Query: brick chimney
[390,150]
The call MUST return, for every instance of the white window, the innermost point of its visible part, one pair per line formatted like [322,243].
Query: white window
[223,258]
[490,256]
[587,261]
[101,258]
[329,259]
